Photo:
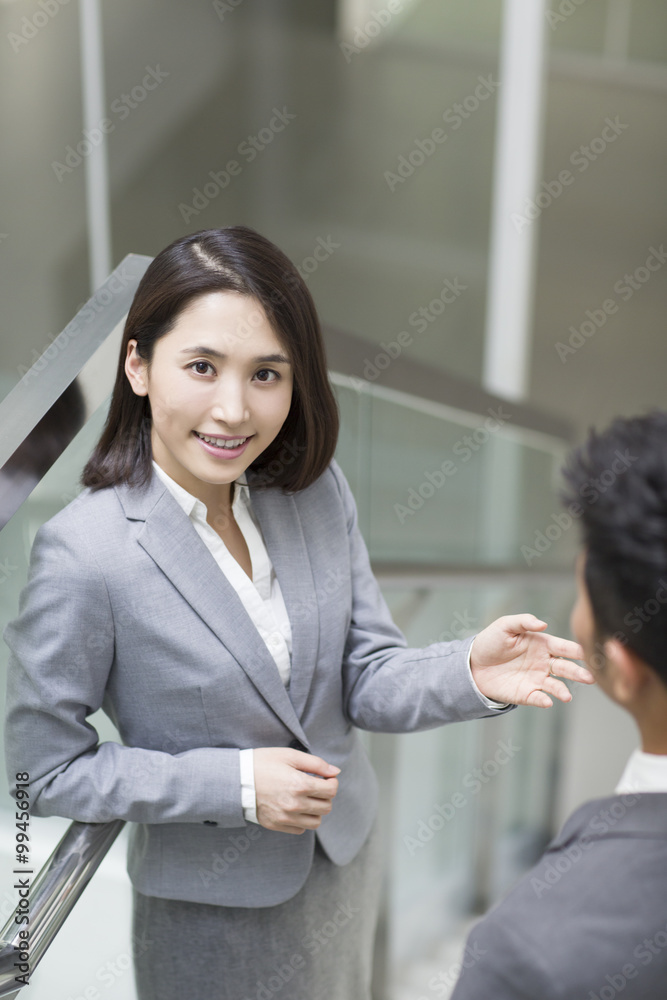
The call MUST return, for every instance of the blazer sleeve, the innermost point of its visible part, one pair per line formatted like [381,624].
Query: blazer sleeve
[61,653]
[387,686]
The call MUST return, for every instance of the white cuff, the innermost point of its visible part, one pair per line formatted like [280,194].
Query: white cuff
[248,800]
[487,701]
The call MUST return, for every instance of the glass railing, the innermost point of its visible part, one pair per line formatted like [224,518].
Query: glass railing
[467,807]
[446,500]
[440,486]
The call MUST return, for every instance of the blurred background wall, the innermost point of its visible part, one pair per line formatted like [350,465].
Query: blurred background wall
[362,136]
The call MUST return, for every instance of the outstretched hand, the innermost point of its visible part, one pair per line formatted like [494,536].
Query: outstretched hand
[515,661]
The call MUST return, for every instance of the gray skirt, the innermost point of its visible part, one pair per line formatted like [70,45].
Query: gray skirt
[319,944]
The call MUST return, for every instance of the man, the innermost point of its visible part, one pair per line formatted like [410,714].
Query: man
[589,921]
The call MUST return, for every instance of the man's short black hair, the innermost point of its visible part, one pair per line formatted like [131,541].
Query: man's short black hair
[619,480]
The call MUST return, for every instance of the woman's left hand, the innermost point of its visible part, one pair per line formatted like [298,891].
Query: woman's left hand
[515,661]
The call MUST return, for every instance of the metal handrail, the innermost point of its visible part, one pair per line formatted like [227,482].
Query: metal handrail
[23,458]
[52,896]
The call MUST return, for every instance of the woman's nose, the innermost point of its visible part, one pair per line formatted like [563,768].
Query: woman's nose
[231,406]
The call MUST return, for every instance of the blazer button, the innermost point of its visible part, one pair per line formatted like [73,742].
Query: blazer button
[298,745]
[210,822]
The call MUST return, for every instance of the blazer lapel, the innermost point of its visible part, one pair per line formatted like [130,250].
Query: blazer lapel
[169,537]
[281,527]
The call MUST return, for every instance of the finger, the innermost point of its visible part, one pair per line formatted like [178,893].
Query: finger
[524,623]
[564,647]
[318,807]
[314,765]
[538,699]
[280,826]
[308,820]
[572,671]
[557,688]
[320,789]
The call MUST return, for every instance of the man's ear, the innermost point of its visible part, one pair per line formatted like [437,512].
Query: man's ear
[626,671]
[136,370]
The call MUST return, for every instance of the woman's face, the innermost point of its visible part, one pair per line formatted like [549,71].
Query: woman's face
[221,373]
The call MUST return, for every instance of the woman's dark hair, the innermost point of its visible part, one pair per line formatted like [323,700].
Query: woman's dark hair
[235,259]
[617,485]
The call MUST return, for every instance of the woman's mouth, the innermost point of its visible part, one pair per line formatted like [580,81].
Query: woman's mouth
[223,448]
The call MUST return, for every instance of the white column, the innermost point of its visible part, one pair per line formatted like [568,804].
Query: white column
[517,162]
[98,213]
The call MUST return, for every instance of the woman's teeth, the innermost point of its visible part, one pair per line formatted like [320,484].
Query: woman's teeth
[221,442]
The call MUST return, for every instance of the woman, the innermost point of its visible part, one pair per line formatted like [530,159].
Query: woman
[210,589]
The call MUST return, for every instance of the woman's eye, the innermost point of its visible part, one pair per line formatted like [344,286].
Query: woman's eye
[268,371]
[200,367]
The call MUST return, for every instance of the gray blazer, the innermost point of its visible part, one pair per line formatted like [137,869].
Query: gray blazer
[589,920]
[126,609]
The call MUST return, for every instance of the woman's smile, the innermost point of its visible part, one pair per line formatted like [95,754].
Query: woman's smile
[227,450]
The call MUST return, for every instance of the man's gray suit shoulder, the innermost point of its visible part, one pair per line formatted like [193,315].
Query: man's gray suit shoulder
[595,894]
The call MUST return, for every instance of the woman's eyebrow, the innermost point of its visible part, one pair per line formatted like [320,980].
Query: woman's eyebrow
[210,352]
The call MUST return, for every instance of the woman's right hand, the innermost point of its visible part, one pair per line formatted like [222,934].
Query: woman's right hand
[293,790]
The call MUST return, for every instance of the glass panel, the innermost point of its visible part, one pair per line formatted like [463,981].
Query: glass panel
[455,23]
[317,185]
[578,28]
[471,803]
[44,274]
[109,892]
[447,487]
[648,33]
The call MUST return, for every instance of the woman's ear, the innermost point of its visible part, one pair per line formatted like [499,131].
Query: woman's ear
[136,370]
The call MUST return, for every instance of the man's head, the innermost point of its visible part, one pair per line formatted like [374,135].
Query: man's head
[619,480]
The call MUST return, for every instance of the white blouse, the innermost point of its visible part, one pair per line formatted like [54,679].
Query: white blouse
[261,597]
